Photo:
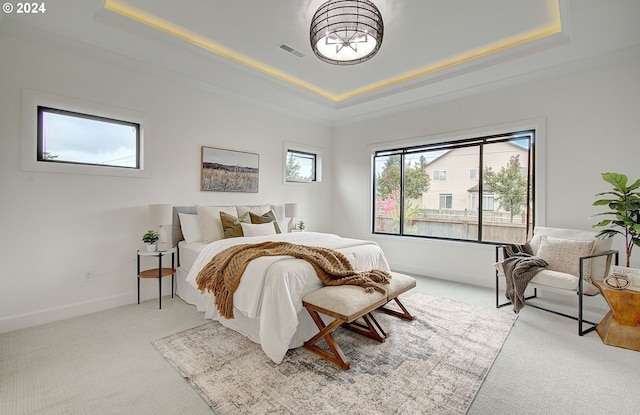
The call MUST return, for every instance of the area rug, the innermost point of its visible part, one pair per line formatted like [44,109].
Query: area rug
[434,364]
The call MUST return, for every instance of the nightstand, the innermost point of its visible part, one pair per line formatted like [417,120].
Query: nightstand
[159,272]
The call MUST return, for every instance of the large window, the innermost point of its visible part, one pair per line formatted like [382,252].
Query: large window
[77,138]
[478,189]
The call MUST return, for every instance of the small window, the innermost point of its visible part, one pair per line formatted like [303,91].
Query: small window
[77,138]
[473,174]
[301,167]
[440,175]
[446,201]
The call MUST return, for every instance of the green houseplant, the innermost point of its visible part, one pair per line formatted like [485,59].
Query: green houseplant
[150,238]
[624,202]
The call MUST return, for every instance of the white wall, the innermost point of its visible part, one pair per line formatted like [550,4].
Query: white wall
[57,226]
[592,125]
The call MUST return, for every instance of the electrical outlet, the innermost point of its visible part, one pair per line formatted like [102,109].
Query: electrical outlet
[88,276]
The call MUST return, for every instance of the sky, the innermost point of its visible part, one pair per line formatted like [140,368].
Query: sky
[85,140]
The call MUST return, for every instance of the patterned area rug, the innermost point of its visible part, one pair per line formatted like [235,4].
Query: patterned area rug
[434,364]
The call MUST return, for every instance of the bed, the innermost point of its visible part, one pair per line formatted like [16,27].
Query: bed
[268,302]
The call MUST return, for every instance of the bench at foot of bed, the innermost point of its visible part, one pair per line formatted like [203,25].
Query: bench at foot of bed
[345,304]
[399,284]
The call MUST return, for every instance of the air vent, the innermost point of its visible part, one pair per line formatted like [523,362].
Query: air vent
[291,50]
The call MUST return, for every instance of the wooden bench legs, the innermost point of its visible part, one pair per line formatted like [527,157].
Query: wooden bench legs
[404,313]
[334,354]
[368,327]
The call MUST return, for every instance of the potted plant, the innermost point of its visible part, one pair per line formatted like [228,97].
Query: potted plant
[300,226]
[624,202]
[150,238]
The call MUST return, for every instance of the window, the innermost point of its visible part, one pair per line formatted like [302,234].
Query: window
[497,170]
[440,175]
[302,163]
[487,201]
[77,138]
[446,201]
[55,138]
[301,167]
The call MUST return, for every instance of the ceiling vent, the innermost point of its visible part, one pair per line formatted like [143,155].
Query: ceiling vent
[291,50]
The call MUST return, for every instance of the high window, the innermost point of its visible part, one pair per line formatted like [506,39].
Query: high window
[477,189]
[77,138]
[301,166]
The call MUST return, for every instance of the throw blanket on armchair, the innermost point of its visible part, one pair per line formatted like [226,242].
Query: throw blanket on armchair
[222,274]
[520,266]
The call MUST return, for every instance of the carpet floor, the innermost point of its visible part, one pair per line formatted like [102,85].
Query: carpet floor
[433,364]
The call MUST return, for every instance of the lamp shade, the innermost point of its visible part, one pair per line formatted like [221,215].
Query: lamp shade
[291,210]
[160,214]
[346,32]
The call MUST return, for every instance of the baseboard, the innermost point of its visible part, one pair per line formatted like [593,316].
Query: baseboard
[36,318]
[416,270]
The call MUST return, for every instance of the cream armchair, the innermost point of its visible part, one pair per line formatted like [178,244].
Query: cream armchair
[575,258]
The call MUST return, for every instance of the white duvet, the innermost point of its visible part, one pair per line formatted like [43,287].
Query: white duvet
[271,289]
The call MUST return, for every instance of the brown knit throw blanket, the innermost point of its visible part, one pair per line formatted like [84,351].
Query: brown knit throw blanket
[520,266]
[221,275]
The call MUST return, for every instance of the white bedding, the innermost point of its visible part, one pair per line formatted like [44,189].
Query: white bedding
[268,302]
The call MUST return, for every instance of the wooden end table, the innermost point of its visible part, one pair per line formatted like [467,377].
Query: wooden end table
[621,326]
[159,272]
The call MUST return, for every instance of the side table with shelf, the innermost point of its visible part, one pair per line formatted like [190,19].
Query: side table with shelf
[159,272]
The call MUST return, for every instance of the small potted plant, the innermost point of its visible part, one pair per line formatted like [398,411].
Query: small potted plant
[300,226]
[150,238]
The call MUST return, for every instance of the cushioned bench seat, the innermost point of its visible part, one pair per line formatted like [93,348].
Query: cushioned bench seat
[400,283]
[345,304]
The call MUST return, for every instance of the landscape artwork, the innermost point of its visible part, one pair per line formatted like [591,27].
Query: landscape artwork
[229,171]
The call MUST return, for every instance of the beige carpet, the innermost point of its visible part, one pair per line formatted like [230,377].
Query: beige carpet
[434,364]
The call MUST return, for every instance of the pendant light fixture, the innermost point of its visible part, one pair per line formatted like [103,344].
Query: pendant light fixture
[346,32]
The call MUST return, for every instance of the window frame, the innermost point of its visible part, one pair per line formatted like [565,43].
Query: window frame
[32,99]
[537,179]
[41,110]
[317,152]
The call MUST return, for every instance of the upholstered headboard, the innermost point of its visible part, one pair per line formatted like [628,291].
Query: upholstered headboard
[176,231]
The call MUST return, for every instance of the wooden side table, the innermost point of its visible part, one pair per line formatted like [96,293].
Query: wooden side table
[159,272]
[621,326]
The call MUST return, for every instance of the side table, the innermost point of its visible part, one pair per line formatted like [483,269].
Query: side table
[621,326]
[159,272]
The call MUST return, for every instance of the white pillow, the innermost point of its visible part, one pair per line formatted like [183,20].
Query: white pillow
[190,227]
[210,221]
[563,255]
[258,229]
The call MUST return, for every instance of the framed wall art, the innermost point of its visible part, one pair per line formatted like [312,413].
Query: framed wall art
[229,171]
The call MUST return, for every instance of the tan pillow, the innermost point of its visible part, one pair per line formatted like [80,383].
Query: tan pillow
[266,218]
[563,255]
[210,221]
[231,225]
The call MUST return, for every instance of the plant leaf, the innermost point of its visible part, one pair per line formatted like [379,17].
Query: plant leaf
[619,181]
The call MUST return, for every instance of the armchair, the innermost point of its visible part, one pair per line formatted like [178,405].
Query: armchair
[575,257]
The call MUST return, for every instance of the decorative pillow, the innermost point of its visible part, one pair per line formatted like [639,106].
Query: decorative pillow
[210,221]
[563,255]
[258,229]
[231,225]
[190,227]
[266,218]
[258,210]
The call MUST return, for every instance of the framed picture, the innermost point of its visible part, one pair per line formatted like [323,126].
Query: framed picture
[229,171]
